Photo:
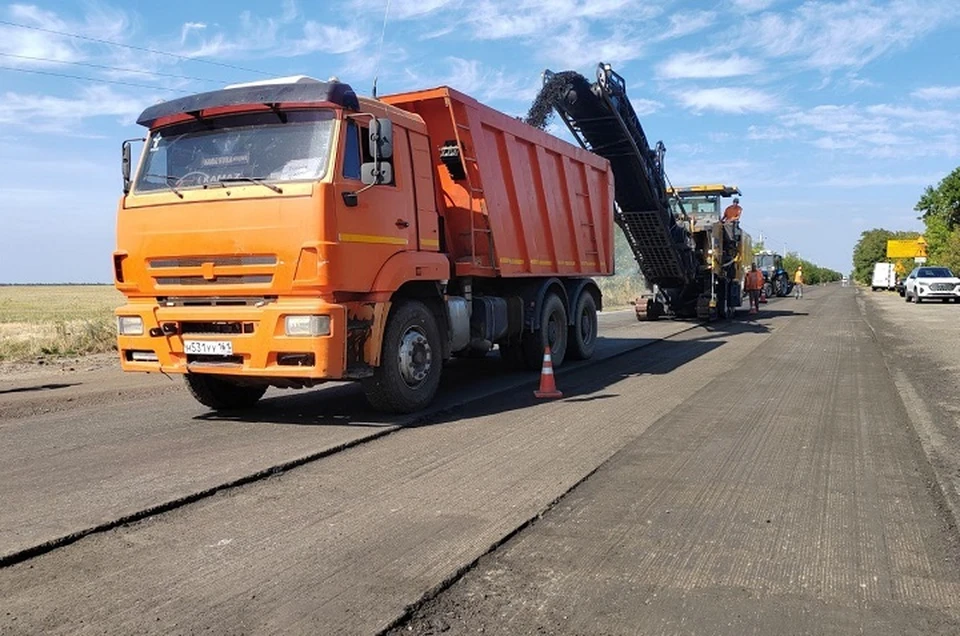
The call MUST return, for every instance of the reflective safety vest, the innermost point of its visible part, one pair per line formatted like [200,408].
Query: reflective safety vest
[754,280]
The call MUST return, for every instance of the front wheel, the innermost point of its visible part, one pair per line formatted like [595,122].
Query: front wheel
[583,334]
[223,394]
[410,361]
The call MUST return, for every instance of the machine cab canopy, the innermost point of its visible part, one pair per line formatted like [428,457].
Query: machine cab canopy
[702,203]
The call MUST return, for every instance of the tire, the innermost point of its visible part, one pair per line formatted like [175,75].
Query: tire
[222,394]
[768,290]
[411,361]
[582,336]
[917,299]
[552,331]
[906,296]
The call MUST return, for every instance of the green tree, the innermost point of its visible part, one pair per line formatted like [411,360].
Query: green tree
[872,249]
[939,209]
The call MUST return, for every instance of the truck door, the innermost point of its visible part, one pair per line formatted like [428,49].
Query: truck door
[383,221]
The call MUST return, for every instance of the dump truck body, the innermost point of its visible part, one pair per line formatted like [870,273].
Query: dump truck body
[279,234]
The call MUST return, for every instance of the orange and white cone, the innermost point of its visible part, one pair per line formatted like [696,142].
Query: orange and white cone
[548,385]
[763,295]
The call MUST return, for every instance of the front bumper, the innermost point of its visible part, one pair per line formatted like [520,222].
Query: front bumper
[926,292]
[260,347]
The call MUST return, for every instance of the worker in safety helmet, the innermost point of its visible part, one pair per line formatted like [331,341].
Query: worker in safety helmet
[754,285]
[733,211]
[798,283]
[731,219]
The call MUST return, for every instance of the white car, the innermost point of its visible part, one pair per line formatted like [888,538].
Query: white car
[926,283]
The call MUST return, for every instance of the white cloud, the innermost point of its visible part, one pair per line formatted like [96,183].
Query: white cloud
[881,180]
[188,27]
[729,100]
[687,23]
[877,130]
[751,6]
[702,65]
[48,113]
[503,19]
[645,106]
[833,35]
[770,133]
[400,9]
[938,93]
[472,78]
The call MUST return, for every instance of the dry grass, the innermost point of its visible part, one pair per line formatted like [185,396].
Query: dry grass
[56,320]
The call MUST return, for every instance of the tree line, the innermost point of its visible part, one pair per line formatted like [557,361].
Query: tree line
[939,209]
[813,274]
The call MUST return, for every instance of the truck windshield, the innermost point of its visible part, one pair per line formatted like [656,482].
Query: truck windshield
[287,146]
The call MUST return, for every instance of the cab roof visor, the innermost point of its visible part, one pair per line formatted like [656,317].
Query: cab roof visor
[270,95]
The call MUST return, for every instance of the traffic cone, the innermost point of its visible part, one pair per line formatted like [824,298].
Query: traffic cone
[548,385]
[763,295]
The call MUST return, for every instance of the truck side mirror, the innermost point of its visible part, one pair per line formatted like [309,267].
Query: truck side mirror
[125,166]
[125,163]
[381,138]
[376,172]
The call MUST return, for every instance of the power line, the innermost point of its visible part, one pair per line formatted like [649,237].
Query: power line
[86,79]
[109,68]
[130,46]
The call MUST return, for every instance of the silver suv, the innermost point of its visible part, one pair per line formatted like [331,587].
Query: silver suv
[925,283]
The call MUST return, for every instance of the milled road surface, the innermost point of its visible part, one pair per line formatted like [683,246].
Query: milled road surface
[788,496]
[750,477]
[81,451]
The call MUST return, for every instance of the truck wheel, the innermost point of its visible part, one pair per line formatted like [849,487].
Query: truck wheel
[582,335]
[552,331]
[768,290]
[223,394]
[410,361]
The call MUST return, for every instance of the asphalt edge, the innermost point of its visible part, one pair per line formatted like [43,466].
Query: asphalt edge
[19,556]
[938,482]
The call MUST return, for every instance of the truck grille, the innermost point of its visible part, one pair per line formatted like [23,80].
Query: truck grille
[214,270]
[215,327]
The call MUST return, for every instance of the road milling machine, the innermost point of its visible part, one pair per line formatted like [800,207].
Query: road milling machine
[693,264]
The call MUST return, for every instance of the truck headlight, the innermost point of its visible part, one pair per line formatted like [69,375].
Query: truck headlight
[306,325]
[130,325]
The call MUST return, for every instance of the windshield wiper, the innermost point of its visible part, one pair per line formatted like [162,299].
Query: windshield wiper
[166,180]
[257,180]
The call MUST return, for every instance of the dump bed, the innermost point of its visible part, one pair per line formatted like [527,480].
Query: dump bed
[515,201]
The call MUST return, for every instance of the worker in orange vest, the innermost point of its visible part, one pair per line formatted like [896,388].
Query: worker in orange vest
[754,285]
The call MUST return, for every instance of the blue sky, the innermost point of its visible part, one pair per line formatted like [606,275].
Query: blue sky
[830,116]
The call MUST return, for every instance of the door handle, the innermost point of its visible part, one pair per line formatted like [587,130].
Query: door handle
[402,224]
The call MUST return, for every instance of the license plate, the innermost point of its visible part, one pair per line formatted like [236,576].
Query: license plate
[208,347]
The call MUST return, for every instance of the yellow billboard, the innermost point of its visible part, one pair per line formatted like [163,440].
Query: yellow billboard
[910,248]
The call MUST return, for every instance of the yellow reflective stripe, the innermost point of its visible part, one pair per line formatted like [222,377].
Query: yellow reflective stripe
[510,261]
[430,242]
[567,263]
[372,238]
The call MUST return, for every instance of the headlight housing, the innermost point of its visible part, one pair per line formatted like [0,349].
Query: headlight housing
[130,325]
[306,325]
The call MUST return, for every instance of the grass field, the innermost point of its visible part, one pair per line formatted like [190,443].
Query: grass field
[56,320]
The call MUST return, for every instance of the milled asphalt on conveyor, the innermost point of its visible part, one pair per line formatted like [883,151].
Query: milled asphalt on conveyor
[344,545]
[69,473]
[790,495]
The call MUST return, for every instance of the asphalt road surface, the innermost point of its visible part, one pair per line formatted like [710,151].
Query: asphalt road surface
[758,476]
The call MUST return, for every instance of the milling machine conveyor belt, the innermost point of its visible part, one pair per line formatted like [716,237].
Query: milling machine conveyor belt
[602,119]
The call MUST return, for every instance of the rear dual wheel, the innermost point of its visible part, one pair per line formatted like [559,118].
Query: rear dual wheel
[552,332]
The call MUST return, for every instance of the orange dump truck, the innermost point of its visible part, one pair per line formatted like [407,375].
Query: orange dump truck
[288,233]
